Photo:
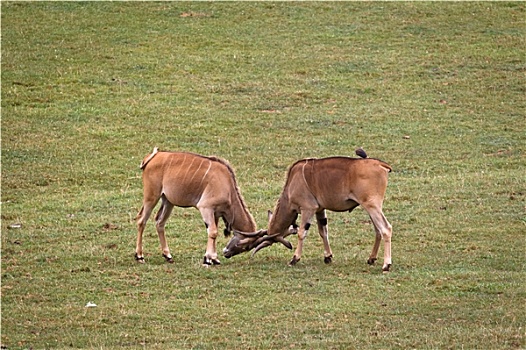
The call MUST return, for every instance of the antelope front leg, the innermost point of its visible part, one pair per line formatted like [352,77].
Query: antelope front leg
[211,221]
[211,249]
[302,234]
[323,229]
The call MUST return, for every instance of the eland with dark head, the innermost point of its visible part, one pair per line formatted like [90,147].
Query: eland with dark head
[315,185]
[190,180]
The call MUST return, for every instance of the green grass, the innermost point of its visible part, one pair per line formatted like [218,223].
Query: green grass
[436,90]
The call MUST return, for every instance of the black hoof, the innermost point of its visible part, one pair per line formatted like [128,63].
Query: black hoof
[371,261]
[327,259]
[139,259]
[168,259]
[293,261]
[209,262]
[386,269]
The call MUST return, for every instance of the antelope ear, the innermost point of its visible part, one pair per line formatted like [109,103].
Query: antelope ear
[284,242]
[269,214]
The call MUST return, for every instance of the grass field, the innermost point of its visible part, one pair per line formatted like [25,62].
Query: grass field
[437,90]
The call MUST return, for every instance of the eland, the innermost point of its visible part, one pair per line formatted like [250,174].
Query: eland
[186,179]
[315,185]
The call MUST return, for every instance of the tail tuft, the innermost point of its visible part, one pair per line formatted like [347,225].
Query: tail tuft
[361,153]
[148,158]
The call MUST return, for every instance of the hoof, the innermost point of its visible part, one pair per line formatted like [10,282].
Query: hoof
[371,261]
[293,261]
[168,259]
[327,259]
[208,262]
[139,259]
[386,268]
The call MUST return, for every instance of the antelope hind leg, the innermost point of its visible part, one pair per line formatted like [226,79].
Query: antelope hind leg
[160,221]
[142,218]
[383,230]
[374,253]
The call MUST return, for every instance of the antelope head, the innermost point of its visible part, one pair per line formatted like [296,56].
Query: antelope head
[246,241]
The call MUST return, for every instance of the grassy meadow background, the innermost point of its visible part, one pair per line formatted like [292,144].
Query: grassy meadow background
[435,89]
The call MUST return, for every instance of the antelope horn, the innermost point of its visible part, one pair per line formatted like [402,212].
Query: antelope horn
[266,238]
[266,241]
[284,242]
[261,246]
[252,234]
[244,241]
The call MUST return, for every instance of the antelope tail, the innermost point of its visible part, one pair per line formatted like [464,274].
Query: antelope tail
[147,160]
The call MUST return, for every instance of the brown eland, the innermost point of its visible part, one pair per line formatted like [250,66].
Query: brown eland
[315,185]
[186,179]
